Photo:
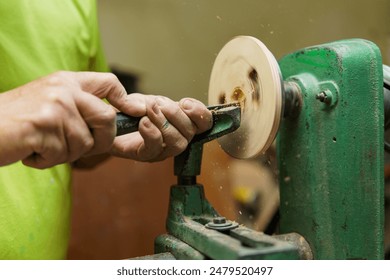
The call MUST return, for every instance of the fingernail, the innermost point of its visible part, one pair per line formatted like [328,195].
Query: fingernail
[187,104]
[156,109]
[147,123]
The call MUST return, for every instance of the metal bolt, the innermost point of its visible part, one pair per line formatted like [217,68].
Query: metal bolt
[321,96]
[324,97]
[219,220]
[221,224]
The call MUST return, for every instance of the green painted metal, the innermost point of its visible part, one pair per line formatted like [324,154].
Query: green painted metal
[226,118]
[330,156]
[190,212]
[180,250]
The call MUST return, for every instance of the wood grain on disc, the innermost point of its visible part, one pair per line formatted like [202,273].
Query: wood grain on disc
[247,72]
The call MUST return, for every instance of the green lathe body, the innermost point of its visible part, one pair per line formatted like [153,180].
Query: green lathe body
[330,157]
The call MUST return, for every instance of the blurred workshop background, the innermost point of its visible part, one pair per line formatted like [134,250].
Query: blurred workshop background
[168,48]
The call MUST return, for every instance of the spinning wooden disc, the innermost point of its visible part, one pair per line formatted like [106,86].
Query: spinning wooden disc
[245,71]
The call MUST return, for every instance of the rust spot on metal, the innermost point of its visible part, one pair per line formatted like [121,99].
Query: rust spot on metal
[303,247]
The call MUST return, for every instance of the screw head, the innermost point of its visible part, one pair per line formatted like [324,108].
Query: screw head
[219,220]
[321,96]
[221,224]
[324,97]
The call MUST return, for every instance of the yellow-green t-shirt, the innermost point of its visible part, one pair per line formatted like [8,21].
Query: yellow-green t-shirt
[38,37]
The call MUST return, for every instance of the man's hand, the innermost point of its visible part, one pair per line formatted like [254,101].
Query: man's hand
[165,130]
[61,118]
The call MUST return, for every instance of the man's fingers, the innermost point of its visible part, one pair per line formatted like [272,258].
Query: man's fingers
[144,145]
[100,119]
[102,85]
[166,131]
[174,141]
[153,143]
[198,113]
[107,85]
[176,117]
[49,150]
